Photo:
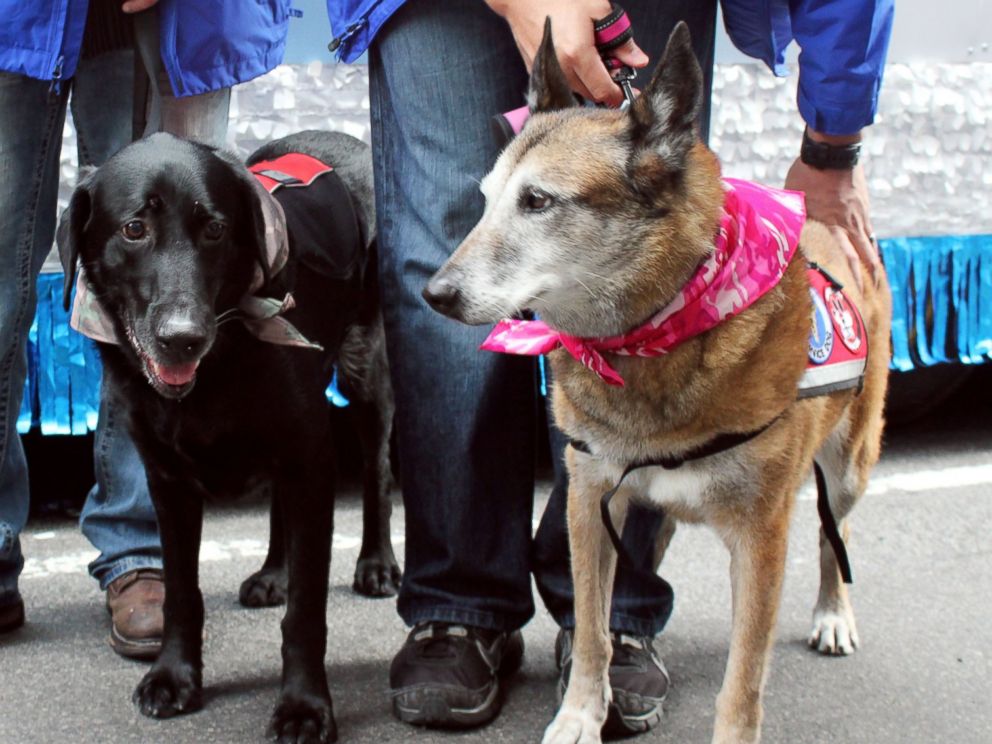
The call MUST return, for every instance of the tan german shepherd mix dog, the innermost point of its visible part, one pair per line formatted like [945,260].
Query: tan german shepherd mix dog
[595,219]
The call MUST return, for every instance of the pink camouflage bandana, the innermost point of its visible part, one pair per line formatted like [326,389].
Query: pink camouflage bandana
[758,235]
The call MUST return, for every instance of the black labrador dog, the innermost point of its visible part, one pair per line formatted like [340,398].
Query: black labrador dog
[172,238]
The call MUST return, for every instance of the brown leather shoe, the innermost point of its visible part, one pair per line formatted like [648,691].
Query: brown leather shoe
[12,615]
[134,602]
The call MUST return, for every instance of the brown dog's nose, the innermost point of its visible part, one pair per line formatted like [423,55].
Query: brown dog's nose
[442,295]
[181,336]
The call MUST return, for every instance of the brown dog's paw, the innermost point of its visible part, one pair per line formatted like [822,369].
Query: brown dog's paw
[264,588]
[377,577]
[169,691]
[834,632]
[303,720]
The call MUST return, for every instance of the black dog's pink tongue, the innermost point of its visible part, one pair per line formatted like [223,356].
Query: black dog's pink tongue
[175,374]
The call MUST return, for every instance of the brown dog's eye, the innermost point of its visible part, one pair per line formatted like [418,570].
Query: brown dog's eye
[535,200]
[134,230]
[214,230]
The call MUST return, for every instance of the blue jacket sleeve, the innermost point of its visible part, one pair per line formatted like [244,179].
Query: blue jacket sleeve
[843,47]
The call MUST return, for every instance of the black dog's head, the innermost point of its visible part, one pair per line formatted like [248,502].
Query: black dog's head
[170,234]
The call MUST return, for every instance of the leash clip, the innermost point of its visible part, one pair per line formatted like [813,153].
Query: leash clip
[623,76]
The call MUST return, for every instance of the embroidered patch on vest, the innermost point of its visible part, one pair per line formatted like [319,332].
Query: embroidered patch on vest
[821,335]
[838,346]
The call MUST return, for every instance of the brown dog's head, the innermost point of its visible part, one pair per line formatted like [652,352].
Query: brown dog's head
[594,218]
[169,233]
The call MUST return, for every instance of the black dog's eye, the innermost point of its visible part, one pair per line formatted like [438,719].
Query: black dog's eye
[133,230]
[214,230]
[535,200]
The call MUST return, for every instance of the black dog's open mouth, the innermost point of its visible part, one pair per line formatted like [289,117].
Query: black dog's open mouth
[168,380]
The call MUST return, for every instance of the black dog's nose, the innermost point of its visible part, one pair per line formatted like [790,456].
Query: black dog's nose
[181,336]
[442,295]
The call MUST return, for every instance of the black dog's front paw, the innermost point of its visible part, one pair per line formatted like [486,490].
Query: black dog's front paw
[169,691]
[377,576]
[303,720]
[264,588]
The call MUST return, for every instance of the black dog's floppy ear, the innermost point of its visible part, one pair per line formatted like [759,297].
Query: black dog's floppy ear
[254,227]
[69,236]
[549,89]
[664,115]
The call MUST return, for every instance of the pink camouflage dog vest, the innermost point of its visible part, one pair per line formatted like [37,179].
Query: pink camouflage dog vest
[757,238]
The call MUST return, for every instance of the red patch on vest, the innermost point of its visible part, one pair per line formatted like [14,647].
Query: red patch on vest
[291,169]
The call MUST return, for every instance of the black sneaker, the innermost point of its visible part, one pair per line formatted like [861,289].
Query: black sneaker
[638,677]
[448,675]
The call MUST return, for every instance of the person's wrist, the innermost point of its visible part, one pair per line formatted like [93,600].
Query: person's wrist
[830,152]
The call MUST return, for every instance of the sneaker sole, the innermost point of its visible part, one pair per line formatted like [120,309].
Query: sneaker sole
[619,725]
[430,707]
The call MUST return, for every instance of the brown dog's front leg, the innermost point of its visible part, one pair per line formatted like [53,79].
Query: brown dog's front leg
[583,711]
[174,683]
[757,565]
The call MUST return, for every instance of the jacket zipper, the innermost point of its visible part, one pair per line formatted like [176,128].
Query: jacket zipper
[353,29]
[56,85]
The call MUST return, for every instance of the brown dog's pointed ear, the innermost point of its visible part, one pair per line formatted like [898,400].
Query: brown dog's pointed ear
[549,89]
[69,236]
[664,115]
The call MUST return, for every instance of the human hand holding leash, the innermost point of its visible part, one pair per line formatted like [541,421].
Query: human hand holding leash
[838,197]
[573,22]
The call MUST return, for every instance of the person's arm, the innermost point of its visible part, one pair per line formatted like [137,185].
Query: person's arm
[844,44]
[572,27]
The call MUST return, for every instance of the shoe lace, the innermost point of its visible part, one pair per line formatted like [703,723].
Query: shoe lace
[435,640]
[630,650]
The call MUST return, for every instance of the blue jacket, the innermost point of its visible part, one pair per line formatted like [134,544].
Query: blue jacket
[223,42]
[843,43]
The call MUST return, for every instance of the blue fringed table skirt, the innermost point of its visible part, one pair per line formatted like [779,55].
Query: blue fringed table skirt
[941,312]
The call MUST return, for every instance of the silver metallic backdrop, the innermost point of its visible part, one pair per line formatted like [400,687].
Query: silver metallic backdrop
[928,157]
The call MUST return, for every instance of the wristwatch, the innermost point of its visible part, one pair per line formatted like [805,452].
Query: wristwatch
[829,157]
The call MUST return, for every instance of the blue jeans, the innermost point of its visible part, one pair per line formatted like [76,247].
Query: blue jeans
[467,420]
[118,517]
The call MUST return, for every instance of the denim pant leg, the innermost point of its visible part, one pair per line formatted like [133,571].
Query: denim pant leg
[642,601]
[465,419]
[118,517]
[31,119]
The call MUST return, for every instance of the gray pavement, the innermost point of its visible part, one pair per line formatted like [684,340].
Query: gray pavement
[923,597]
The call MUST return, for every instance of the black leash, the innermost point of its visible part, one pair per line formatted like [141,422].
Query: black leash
[829,524]
[720,443]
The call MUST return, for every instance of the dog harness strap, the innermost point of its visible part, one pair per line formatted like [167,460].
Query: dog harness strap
[720,443]
[829,524]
